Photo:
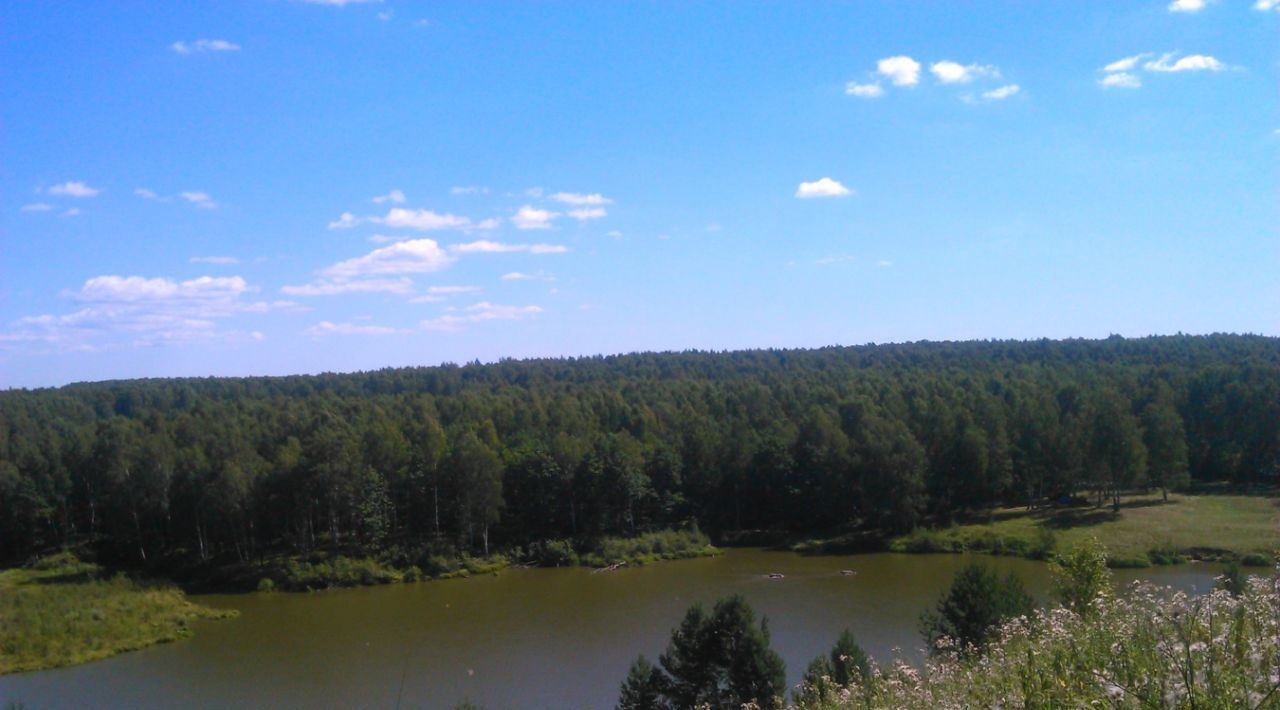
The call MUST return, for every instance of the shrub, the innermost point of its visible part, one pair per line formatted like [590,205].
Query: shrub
[266,584]
[1255,559]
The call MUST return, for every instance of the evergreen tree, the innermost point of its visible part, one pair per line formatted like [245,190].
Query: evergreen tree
[975,606]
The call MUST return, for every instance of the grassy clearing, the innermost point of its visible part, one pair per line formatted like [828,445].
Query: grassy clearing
[60,612]
[1145,531]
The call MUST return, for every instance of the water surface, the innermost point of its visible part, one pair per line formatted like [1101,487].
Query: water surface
[544,638]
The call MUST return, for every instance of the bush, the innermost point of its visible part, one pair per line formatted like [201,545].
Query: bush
[266,584]
[1166,554]
[1255,559]
[413,574]
[974,607]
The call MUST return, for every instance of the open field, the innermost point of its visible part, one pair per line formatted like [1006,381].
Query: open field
[60,612]
[1146,530]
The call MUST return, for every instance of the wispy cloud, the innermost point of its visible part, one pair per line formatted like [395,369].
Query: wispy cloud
[468,190]
[338,3]
[36,207]
[1267,5]
[575,198]
[479,313]
[401,286]
[415,256]
[1002,93]
[585,213]
[215,260]
[521,276]
[325,328]
[202,46]
[823,187]
[199,199]
[1187,6]
[1120,80]
[864,91]
[1192,62]
[73,189]
[394,197]
[401,218]
[484,246]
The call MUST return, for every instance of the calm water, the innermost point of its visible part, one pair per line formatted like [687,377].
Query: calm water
[553,638]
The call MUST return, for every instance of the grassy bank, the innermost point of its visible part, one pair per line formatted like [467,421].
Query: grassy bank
[1145,531]
[61,611]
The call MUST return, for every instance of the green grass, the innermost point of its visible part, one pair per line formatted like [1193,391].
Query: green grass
[60,612]
[1145,531]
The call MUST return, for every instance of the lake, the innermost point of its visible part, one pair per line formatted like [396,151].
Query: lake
[545,638]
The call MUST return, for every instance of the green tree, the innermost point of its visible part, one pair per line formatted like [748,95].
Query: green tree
[975,606]
[645,687]
[1166,441]
[1080,576]
[721,660]
[846,663]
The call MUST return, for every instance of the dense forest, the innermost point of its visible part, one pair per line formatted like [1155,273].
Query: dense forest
[492,457]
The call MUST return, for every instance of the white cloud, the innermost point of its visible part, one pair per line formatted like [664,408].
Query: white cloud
[216,260]
[1266,5]
[825,187]
[141,311]
[530,217]
[1126,64]
[401,218]
[201,46]
[73,212]
[949,72]
[1191,62]
[864,91]
[479,313]
[399,286]
[395,197]
[534,192]
[901,70]
[484,246]
[199,199]
[415,256]
[574,198]
[36,207]
[1120,80]
[1001,93]
[613,233]
[73,189]
[584,213]
[386,15]
[468,190]
[827,260]
[146,194]
[325,328]
[437,290]
[884,263]
[1188,6]
[520,276]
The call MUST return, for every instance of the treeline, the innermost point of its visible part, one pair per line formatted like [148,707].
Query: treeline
[481,457]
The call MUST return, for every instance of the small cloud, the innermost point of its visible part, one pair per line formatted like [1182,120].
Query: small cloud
[884,263]
[1126,64]
[949,72]
[337,3]
[574,198]
[1187,6]
[36,207]
[534,192]
[864,91]
[824,187]
[519,276]
[73,212]
[73,189]
[1191,62]
[400,286]
[613,233]
[202,46]
[216,260]
[1120,80]
[713,227]
[1267,5]
[325,328]
[901,70]
[395,197]
[468,190]
[146,194]
[415,256]
[1001,93]
[479,313]
[422,23]
[199,199]
[827,260]
[530,217]
[386,15]
[438,290]
[399,217]
[484,246]
[585,213]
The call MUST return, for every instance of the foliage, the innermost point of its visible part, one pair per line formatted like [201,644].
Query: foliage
[721,661]
[1080,576]
[973,609]
[846,664]
[1146,647]
[645,687]
[175,473]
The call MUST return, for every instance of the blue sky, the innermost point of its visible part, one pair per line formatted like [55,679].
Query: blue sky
[275,186]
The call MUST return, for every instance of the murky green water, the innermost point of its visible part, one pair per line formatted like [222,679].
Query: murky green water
[558,638]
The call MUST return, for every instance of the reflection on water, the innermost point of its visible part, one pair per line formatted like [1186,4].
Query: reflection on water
[555,638]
